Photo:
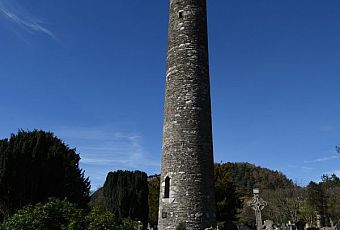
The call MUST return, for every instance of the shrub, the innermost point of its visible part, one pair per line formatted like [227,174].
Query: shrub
[55,214]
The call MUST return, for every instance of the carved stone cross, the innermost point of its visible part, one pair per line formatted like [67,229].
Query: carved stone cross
[257,204]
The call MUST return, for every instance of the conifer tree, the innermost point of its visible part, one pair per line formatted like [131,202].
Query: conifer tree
[36,165]
[126,195]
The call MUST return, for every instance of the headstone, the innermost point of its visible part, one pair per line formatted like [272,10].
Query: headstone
[318,220]
[268,225]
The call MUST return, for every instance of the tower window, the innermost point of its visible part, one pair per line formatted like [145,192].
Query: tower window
[180,14]
[167,187]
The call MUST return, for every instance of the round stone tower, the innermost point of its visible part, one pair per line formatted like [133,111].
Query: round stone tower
[187,187]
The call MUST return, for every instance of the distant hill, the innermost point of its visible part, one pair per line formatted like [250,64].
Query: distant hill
[246,176]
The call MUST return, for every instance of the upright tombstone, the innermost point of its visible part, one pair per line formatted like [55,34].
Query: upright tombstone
[186,191]
[318,220]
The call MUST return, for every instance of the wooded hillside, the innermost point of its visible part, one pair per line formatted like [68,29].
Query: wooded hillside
[246,176]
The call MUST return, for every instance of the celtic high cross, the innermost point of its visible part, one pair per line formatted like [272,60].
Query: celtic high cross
[257,204]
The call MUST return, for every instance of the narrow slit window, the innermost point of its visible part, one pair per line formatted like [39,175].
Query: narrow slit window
[167,188]
[180,14]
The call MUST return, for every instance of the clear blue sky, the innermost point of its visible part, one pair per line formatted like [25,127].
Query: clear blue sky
[93,73]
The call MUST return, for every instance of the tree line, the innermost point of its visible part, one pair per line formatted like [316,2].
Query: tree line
[43,187]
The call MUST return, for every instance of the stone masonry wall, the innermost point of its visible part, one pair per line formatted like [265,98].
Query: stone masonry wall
[187,152]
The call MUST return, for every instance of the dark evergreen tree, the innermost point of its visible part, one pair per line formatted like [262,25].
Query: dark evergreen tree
[126,195]
[36,165]
[97,198]
[329,181]
[154,184]
[317,200]
[330,185]
[228,202]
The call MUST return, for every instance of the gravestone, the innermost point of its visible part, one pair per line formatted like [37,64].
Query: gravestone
[268,225]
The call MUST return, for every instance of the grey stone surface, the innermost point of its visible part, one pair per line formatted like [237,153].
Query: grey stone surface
[187,151]
[257,204]
[268,225]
